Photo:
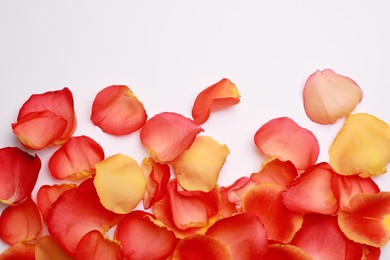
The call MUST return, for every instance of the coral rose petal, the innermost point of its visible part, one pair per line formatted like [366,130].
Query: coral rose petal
[142,238]
[367,219]
[198,167]
[265,200]
[19,251]
[75,213]
[76,159]
[47,248]
[18,174]
[20,223]
[201,247]
[117,111]
[328,96]
[243,234]
[284,138]
[311,192]
[361,147]
[168,135]
[95,246]
[120,183]
[289,252]
[222,94]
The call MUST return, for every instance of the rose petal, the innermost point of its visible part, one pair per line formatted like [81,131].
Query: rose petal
[21,223]
[222,94]
[289,252]
[243,234]
[284,138]
[117,111]
[371,253]
[47,248]
[367,219]
[167,135]
[18,174]
[120,183]
[25,251]
[311,192]
[265,200]
[328,96]
[361,147]
[198,167]
[142,238]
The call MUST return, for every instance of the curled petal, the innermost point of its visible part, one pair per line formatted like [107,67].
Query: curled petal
[367,219]
[361,147]
[222,94]
[47,248]
[243,234]
[20,223]
[168,135]
[198,167]
[284,138]
[120,183]
[22,250]
[328,96]
[289,252]
[76,159]
[142,238]
[117,111]
[18,174]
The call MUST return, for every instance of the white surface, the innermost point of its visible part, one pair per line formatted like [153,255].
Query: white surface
[168,51]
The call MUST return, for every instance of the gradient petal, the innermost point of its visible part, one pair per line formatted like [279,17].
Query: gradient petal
[290,252]
[19,251]
[47,248]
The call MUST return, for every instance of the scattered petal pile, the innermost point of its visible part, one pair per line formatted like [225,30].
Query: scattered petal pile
[294,207]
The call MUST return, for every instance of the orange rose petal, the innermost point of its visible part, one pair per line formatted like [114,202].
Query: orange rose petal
[117,111]
[284,138]
[321,237]
[120,183]
[142,238]
[198,167]
[311,192]
[76,159]
[95,246]
[201,247]
[47,195]
[222,94]
[157,176]
[20,223]
[276,171]
[19,251]
[367,219]
[361,147]
[18,174]
[328,96]
[265,200]
[243,234]
[168,135]
[289,252]
[75,213]
[47,248]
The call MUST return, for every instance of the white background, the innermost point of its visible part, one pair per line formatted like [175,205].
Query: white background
[168,51]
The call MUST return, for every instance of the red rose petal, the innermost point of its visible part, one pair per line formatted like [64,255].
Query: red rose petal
[290,252]
[47,248]
[19,251]
[117,111]
[284,138]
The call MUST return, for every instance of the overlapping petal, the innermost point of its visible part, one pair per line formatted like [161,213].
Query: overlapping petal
[219,95]
[284,138]
[361,147]
[167,135]
[198,167]
[117,111]
[47,248]
[328,96]
[22,250]
[290,252]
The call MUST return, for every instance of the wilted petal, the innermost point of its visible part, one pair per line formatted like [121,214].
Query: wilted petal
[18,174]
[117,111]
[265,200]
[20,223]
[361,147]
[142,238]
[284,138]
[198,167]
[222,94]
[47,248]
[311,192]
[168,135]
[367,219]
[120,183]
[289,252]
[25,251]
[243,234]
[328,96]
[76,159]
